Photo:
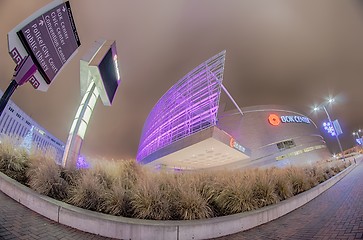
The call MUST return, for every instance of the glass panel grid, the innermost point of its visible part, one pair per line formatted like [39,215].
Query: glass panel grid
[188,107]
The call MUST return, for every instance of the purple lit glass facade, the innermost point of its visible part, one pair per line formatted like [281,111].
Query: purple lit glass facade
[190,106]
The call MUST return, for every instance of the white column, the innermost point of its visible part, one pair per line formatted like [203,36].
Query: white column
[79,127]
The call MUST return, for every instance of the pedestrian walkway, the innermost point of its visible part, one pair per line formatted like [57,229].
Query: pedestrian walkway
[336,214]
[18,222]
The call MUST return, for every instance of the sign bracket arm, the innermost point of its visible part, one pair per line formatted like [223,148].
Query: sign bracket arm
[23,71]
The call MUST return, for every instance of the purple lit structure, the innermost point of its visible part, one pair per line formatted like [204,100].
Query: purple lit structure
[188,107]
[82,163]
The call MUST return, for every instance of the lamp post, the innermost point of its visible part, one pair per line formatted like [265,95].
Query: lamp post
[330,101]
[357,133]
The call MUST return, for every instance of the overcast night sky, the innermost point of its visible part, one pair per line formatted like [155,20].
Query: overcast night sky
[282,52]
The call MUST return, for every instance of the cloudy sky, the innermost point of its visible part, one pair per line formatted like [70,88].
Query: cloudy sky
[284,52]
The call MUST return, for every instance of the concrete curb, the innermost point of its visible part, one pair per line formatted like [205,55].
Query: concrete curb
[128,228]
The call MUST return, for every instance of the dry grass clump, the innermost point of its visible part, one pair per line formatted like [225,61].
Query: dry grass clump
[106,187]
[44,176]
[13,161]
[283,187]
[339,166]
[319,174]
[209,186]
[188,201]
[299,179]
[168,196]
[236,193]
[89,189]
[263,187]
[152,198]
[117,197]
[311,177]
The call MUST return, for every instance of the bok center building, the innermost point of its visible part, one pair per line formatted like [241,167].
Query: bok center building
[276,135]
[187,130]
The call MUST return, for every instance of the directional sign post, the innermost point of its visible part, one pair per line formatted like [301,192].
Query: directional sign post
[100,77]
[50,39]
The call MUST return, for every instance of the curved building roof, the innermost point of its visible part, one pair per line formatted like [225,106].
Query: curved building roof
[190,106]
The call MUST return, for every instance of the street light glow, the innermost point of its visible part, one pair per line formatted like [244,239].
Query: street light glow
[329,126]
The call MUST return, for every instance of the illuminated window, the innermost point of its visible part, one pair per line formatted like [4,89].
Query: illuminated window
[285,145]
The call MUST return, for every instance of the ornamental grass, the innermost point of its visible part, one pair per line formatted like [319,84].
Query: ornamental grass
[263,188]
[124,188]
[13,160]
[188,202]
[152,198]
[46,177]
[89,189]
[298,179]
[117,197]
[283,188]
[235,193]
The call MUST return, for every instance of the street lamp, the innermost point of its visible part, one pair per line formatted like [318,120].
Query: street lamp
[323,105]
[357,133]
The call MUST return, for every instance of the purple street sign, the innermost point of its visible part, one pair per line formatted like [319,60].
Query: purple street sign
[50,40]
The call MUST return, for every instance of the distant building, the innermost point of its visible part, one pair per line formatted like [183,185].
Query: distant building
[186,130]
[15,122]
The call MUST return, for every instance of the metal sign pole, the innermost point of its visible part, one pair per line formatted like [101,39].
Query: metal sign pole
[22,74]
[7,94]
[336,135]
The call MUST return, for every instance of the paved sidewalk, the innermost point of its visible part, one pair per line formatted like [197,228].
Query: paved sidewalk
[336,214]
[18,222]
